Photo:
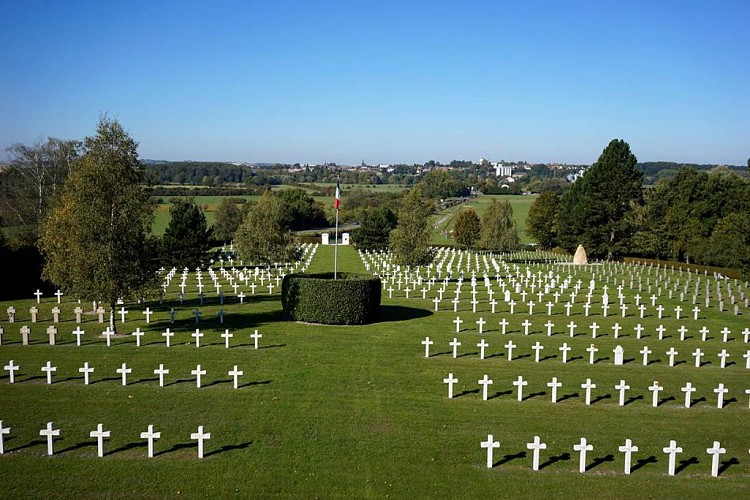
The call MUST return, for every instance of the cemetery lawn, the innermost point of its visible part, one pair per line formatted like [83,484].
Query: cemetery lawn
[358,411]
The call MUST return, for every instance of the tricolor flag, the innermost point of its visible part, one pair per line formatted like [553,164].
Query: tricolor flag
[337,199]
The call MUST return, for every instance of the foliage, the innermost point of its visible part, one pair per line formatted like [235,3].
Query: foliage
[301,211]
[264,236]
[96,238]
[228,220]
[593,212]
[357,200]
[352,299]
[186,240]
[541,222]
[466,228]
[499,230]
[441,184]
[29,185]
[376,225]
[409,241]
[729,245]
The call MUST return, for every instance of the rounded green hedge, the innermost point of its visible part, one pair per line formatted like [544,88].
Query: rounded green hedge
[352,299]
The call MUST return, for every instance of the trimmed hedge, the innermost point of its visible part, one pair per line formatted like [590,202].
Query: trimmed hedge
[352,299]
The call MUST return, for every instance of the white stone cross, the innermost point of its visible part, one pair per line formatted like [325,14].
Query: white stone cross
[482,345]
[526,324]
[458,322]
[688,390]
[537,348]
[235,373]
[198,373]
[554,384]
[622,387]
[455,344]
[716,451]
[167,336]
[592,350]
[725,334]
[3,432]
[490,445]
[616,328]
[450,380]
[746,334]
[427,343]
[655,390]
[122,313]
[148,312]
[150,435]
[661,331]
[485,382]
[503,323]
[100,434]
[677,311]
[138,334]
[241,296]
[38,296]
[520,383]
[723,355]
[747,359]
[49,369]
[481,322]
[672,450]
[108,336]
[638,331]
[200,436]
[672,353]
[197,336]
[78,332]
[572,328]
[124,370]
[660,310]
[645,351]
[564,348]
[594,328]
[582,448]
[704,331]
[720,391]
[161,371]
[436,301]
[588,386]
[510,346]
[58,294]
[256,336]
[85,370]
[697,355]
[535,446]
[549,326]
[696,310]
[628,449]
[50,434]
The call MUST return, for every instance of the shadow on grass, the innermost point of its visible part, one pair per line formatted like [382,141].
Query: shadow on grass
[598,461]
[391,313]
[632,399]
[509,457]
[229,447]
[129,446]
[177,447]
[726,464]
[78,446]
[685,463]
[568,396]
[554,460]
[642,463]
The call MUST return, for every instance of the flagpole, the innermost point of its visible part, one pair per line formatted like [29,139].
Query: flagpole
[336,246]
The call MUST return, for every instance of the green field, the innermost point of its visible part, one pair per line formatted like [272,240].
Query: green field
[358,411]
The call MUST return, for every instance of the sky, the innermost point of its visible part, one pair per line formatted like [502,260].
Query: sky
[383,81]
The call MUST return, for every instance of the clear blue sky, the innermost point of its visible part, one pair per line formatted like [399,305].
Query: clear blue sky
[402,81]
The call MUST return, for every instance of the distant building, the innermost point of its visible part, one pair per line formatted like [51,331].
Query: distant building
[502,170]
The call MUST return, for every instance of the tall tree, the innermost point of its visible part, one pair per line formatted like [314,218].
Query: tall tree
[264,237]
[186,240]
[499,231]
[466,228]
[541,223]
[593,212]
[32,181]
[410,241]
[376,225]
[301,211]
[228,220]
[95,239]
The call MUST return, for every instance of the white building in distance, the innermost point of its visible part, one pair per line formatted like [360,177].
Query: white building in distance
[502,170]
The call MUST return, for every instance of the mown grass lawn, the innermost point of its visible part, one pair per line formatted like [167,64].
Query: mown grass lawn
[359,411]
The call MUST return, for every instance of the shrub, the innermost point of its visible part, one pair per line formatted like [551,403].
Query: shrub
[352,299]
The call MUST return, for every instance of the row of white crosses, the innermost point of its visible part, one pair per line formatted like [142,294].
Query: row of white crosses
[124,371]
[618,351]
[50,433]
[588,386]
[628,448]
[108,334]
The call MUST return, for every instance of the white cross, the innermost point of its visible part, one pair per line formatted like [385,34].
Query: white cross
[482,345]
[50,434]
[716,451]
[672,353]
[458,322]
[235,373]
[108,335]
[485,382]
[85,370]
[100,434]
[696,310]
[554,385]
[48,368]
[526,324]
[688,390]
[723,355]
[198,372]
[512,305]
[3,432]
[720,391]
[617,329]
[549,325]
[124,370]
[592,350]
[588,386]
[200,436]
[704,331]
[122,313]
[746,334]
[698,354]
[58,294]
[78,332]
[226,336]
[436,301]
[672,450]
[568,305]
[503,323]
[605,308]
[520,382]
[682,330]
[241,296]
[531,308]
[151,436]
[455,344]
[623,308]
[582,448]
[490,445]
[147,312]
[677,311]
[655,390]
[628,449]
[586,308]
[594,328]
[572,328]
[138,334]
[537,347]
[481,322]
[167,335]
[661,331]
[642,309]
[645,351]
[197,336]
[493,303]
[747,359]
[638,331]
[256,336]
[622,387]
[564,349]
[161,371]
[510,346]
[270,288]
[535,445]
[38,296]
[450,380]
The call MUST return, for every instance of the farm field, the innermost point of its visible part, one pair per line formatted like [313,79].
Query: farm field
[359,411]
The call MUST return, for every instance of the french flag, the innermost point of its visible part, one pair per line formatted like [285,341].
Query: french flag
[337,199]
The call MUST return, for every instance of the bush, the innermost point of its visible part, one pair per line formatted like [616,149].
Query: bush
[352,299]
